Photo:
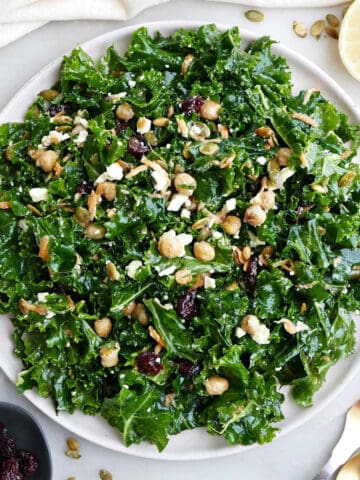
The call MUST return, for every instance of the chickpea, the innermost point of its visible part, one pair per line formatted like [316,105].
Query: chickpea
[231,224]
[95,232]
[109,356]
[216,385]
[169,247]
[283,156]
[250,324]
[185,184]
[125,112]
[255,215]
[103,326]
[183,277]
[109,191]
[267,200]
[47,160]
[140,313]
[210,110]
[204,251]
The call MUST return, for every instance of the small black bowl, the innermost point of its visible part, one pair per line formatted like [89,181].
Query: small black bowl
[28,435]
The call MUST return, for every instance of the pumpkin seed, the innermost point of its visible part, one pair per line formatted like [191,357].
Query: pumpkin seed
[49,94]
[151,138]
[332,32]
[199,131]
[73,454]
[317,28]
[299,29]
[73,444]
[332,20]
[254,16]
[347,179]
[82,217]
[105,475]
[210,149]
[161,122]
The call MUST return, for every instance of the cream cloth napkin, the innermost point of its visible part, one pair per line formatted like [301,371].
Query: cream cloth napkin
[18,17]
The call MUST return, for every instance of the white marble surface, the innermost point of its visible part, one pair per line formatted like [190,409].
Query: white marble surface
[297,456]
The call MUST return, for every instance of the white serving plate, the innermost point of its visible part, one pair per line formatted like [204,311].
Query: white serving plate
[195,444]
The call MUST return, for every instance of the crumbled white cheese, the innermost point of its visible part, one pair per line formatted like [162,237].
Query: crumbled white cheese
[167,271]
[168,306]
[261,160]
[50,314]
[254,240]
[115,97]
[77,197]
[54,137]
[160,177]
[261,335]
[209,282]
[239,332]
[176,202]
[132,268]
[38,194]
[113,172]
[143,125]
[22,223]
[217,235]
[185,213]
[81,138]
[41,296]
[131,83]
[230,205]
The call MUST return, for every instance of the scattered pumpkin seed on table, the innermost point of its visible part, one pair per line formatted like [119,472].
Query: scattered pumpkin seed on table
[332,32]
[105,475]
[254,15]
[299,29]
[332,20]
[317,28]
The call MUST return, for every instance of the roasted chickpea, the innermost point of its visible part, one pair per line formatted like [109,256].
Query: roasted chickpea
[250,324]
[185,184]
[47,160]
[125,112]
[283,156]
[168,247]
[255,215]
[109,356]
[94,232]
[210,110]
[231,224]
[204,251]
[216,385]
[140,314]
[103,326]
[267,200]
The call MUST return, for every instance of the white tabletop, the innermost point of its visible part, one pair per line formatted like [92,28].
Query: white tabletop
[296,456]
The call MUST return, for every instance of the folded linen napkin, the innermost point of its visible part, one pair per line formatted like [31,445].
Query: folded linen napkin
[18,17]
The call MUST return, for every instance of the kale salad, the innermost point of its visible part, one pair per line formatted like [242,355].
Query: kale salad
[180,237]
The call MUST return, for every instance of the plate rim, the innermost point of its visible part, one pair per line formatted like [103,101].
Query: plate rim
[226,450]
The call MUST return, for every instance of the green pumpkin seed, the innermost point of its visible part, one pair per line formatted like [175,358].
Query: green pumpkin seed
[299,29]
[332,32]
[73,454]
[199,131]
[332,20]
[210,149]
[347,179]
[81,215]
[254,16]
[317,28]
[105,475]
[151,138]
[49,94]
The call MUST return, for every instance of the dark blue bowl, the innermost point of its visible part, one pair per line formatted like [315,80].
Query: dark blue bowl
[28,435]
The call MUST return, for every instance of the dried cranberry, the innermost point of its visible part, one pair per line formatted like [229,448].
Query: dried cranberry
[192,104]
[137,145]
[188,369]
[60,287]
[7,446]
[28,463]
[251,273]
[253,187]
[55,109]
[188,305]
[149,363]
[120,126]
[85,188]
[10,469]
